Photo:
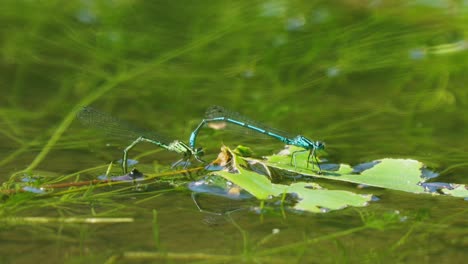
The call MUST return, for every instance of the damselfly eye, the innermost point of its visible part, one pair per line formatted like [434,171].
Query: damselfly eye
[320,145]
[200,151]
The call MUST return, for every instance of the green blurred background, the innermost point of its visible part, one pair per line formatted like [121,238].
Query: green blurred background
[373,79]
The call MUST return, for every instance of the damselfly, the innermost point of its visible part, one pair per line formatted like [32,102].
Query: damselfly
[114,126]
[219,114]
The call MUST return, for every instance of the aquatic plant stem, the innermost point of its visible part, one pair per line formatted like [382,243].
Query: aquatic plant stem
[311,241]
[156,229]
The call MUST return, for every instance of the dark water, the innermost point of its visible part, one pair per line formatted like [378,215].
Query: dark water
[373,80]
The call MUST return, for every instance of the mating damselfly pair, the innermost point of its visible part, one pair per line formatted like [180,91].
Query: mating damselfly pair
[114,126]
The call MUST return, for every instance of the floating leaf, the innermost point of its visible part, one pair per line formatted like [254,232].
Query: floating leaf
[459,190]
[397,174]
[310,196]
[322,200]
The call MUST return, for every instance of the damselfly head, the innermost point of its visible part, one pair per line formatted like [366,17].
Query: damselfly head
[199,152]
[319,145]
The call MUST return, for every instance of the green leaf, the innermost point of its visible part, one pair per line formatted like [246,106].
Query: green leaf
[460,190]
[256,184]
[396,174]
[322,200]
[311,197]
